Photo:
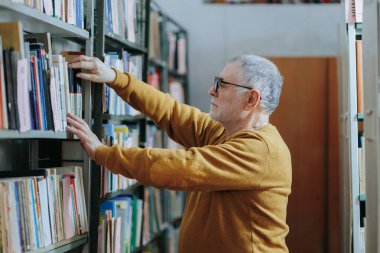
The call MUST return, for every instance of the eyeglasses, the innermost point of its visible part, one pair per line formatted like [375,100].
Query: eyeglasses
[218,80]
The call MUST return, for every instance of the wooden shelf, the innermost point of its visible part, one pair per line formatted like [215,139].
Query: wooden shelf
[34,21]
[157,62]
[64,245]
[176,74]
[33,134]
[115,42]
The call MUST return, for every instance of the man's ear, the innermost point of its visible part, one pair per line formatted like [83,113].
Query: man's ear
[253,99]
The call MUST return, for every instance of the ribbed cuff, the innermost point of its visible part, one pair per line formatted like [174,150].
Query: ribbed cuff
[121,80]
[101,154]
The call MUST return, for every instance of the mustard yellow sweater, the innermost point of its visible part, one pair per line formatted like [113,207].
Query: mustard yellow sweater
[238,188]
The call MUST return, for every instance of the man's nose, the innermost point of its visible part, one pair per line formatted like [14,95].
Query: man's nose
[212,92]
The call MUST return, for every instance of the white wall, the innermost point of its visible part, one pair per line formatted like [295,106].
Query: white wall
[218,33]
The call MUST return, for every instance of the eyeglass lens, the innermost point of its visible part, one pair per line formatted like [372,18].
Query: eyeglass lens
[216,84]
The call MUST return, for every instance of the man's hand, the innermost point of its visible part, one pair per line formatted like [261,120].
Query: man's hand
[87,138]
[98,71]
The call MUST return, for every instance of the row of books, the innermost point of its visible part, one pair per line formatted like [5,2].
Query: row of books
[172,240]
[177,52]
[173,205]
[37,88]
[176,90]
[126,136]
[156,30]
[176,40]
[123,17]
[161,208]
[154,77]
[69,11]
[42,210]
[120,225]
[153,136]
[153,213]
[112,103]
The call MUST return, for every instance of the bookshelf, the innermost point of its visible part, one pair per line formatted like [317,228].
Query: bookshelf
[360,125]
[110,42]
[113,41]
[48,148]
[26,149]
[371,121]
[168,70]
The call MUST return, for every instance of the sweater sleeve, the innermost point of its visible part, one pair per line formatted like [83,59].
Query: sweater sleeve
[239,164]
[184,124]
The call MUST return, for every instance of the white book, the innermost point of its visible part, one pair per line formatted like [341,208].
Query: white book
[23,102]
[70,10]
[48,6]
[182,55]
[140,204]
[67,89]
[131,14]
[42,187]
[67,208]
[14,225]
[52,214]
[53,98]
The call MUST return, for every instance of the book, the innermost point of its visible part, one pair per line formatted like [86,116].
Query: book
[13,37]
[75,84]
[23,102]
[3,93]
[43,38]
[10,88]
[359,75]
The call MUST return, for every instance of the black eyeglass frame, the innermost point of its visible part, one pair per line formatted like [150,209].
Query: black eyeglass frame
[218,80]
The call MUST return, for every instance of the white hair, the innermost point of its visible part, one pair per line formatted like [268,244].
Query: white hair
[261,74]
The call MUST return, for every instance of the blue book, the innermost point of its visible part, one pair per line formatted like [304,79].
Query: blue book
[109,15]
[41,87]
[42,93]
[35,216]
[109,130]
[18,203]
[33,99]
[108,205]
[79,13]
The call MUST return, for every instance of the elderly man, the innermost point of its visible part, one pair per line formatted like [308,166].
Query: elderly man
[236,167]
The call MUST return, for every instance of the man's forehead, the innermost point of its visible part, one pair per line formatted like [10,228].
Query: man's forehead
[230,70]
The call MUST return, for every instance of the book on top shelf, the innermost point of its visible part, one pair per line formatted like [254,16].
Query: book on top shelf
[3,94]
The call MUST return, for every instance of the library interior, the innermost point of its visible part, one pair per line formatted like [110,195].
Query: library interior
[190,126]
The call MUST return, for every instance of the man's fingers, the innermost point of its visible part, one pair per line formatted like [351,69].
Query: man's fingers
[77,123]
[80,58]
[72,130]
[80,134]
[72,116]
[90,65]
[87,76]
